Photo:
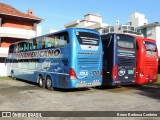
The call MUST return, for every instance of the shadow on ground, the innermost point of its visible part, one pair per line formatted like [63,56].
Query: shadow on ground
[150,90]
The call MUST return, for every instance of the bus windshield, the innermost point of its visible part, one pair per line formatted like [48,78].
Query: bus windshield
[150,47]
[124,41]
[86,38]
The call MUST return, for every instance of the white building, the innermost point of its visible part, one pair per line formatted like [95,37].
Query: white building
[131,27]
[91,21]
[124,29]
[51,31]
[137,19]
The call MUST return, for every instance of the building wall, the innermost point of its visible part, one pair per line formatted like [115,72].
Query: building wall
[13,30]
[93,17]
[91,21]
[85,23]
[17,24]
[151,33]
[137,19]
[4,71]
[6,41]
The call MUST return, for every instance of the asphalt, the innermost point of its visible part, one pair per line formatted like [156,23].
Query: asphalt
[17,95]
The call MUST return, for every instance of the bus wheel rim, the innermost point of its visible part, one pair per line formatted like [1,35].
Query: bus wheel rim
[48,82]
[40,81]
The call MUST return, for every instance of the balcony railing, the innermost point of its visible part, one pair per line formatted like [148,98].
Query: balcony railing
[16,33]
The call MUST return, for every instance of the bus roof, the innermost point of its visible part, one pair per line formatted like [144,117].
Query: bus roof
[117,34]
[146,39]
[67,29]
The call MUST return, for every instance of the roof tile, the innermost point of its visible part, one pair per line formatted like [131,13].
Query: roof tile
[9,10]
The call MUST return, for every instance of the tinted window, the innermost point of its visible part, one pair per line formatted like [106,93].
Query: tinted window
[2,59]
[125,41]
[11,48]
[57,40]
[106,41]
[150,46]
[87,38]
[40,42]
[21,46]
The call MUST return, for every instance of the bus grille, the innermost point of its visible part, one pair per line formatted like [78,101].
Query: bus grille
[86,63]
[126,62]
[151,64]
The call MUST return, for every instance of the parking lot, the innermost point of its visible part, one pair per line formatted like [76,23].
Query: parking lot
[16,95]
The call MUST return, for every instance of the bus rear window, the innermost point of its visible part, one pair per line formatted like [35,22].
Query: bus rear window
[150,47]
[124,41]
[87,38]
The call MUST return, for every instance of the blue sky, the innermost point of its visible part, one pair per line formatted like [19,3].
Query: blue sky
[56,13]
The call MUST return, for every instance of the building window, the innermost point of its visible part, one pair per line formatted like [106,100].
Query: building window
[150,32]
[111,29]
[2,59]
[106,30]
[130,23]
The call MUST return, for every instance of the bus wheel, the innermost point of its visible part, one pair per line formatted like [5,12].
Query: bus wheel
[41,82]
[49,83]
[12,75]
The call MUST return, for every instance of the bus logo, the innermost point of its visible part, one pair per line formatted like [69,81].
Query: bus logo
[46,64]
[83,74]
[121,72]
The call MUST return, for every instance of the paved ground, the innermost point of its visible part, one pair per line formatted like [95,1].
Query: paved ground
[16,95]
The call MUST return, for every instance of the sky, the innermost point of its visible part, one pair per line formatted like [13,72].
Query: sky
[57,13]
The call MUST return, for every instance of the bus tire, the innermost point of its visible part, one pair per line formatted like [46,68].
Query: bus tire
[49,83]
[41,82]
[12,75]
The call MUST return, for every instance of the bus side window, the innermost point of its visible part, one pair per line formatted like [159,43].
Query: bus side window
[57,40]
[26,48]
[61,39]
[106,41]
[11,48]
[49,42]
[34,47]
[40,43]
[15,48]
[21,46]
[30,45]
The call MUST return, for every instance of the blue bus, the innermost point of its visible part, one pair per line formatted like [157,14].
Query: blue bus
[71,58]
[119,59]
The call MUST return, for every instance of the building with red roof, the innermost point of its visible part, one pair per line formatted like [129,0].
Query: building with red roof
[15,26]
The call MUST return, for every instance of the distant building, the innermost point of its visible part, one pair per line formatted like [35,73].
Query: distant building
[91,21]
[125,29]
[51,31]
[137,19]
[131,27]
[152,31]
[15,26]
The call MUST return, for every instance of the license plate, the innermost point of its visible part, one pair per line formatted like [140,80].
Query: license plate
[89,84]
[126,77]
[130,71]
